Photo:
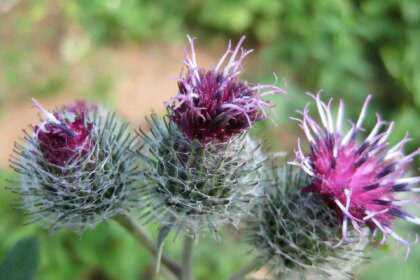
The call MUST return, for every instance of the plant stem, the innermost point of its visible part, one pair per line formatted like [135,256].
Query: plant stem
[187,252]
[244,271]
[133,227]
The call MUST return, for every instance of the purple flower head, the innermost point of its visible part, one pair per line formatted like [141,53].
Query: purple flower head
[358,179]
[217,104]
[65,135]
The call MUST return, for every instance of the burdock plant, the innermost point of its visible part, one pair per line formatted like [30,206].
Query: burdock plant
[76,168]
[197,168]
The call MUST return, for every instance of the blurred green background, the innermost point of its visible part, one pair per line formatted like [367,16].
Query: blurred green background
[121,53]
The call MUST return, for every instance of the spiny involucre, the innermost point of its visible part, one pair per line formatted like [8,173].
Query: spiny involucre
[216,103]
[294,232]
[358,179]
[76,168]
[191,185]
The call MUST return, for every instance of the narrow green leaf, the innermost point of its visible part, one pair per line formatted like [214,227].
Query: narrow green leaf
[21,261]
[163,233]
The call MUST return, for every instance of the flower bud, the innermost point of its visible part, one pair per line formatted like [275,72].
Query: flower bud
[77,168]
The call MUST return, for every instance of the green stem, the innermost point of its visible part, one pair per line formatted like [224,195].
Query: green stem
[138,232]
[187,253]
[244,271]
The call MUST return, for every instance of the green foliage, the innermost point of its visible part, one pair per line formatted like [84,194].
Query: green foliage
[21,261]
[384,264]
[132,20]
[251,17]
[348,48]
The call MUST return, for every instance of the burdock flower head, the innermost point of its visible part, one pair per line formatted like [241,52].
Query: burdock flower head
[202,168]
[76,168]
[216,104]
[358,179]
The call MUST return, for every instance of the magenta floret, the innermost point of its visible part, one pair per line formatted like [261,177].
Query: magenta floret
[65,135]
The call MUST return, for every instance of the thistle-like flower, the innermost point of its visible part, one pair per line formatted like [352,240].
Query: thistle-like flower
[76,168]
[294,232]
[191,185]
[201,167]
[217,104]
[358,179]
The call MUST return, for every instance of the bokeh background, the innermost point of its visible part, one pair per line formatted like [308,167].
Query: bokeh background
[123,54]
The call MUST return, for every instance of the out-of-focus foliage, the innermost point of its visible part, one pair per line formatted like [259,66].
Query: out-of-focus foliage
[348,48]
[38,53]
[110,21]
[21,262]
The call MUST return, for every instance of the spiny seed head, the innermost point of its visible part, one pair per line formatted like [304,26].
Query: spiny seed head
[76,168]
[190,184]
[294,232]
[217,104]
[358,179]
